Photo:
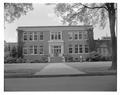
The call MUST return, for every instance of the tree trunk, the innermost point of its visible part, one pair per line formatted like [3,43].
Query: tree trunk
[111,13]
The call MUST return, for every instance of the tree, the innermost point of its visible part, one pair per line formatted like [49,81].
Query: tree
[13,52]
[91,14]
[13,11]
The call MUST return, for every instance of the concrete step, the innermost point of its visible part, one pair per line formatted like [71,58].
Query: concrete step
[56,59]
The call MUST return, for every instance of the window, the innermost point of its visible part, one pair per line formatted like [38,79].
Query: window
[70,34]
[56,36]
[41,35]
[76,36]
[35,49]
[80,35]
[80,49]
[31,49]
[70,48]
[35,35]
[76,48]
[31,37]
[25,50]
[59,35]
[41,49]
[52,36]
[25,36]
[59,49]
[86,49]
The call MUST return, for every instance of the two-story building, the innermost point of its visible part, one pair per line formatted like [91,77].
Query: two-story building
[55,42]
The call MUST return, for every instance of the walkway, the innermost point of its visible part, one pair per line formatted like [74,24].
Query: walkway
[58,69]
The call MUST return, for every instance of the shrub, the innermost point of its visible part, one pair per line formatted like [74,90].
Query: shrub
[35,61]
[13,52]
[76,60]
[20,60]
[68,58]
[94,56]
[10,60]
[43,59]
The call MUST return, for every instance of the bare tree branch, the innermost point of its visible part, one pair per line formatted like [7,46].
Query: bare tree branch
[97,7]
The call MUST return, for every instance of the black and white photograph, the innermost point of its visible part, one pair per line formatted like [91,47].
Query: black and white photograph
[60,46]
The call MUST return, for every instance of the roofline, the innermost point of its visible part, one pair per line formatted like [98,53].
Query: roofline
[55,26]
[11,42]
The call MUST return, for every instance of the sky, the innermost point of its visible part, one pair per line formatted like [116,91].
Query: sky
[42,15]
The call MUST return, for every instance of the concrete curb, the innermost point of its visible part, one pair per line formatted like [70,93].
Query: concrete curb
[62,75]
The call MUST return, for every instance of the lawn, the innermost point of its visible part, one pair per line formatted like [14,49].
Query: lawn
[29,69]
[23,69]
[93,67]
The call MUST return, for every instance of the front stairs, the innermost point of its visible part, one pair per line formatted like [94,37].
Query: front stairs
[56,59]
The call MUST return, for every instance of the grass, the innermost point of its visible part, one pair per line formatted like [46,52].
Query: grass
[20,72]
[30,69]
[96,68]
[22,69]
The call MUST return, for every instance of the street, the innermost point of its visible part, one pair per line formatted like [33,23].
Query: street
[81,83]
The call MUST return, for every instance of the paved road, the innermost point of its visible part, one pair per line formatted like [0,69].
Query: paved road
[86,83]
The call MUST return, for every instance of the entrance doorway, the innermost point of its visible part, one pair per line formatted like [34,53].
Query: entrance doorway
[56,50]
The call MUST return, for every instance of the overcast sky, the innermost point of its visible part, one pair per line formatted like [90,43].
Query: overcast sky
[42,15]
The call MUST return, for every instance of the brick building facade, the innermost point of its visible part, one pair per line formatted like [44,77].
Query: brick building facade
[55,42]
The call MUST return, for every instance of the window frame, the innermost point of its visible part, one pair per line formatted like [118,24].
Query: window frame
[55,36]
[31,49]
[76,48]
[80,49]
[31,37]
[35,36]
[86,47]
[70,49]
[70,35]
[59,35]
[41,50]
[25,34]
[41,36]
[35,50]
[76,35]
[25,49]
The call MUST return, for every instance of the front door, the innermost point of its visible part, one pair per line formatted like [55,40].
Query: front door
[57,50]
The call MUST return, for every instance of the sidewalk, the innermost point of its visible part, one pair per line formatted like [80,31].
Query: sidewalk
[59,70]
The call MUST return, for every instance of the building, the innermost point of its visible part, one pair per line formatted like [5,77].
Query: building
[103,47]
[8,47]
[106,38]
[55,42]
